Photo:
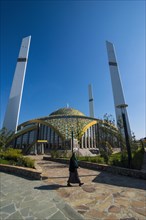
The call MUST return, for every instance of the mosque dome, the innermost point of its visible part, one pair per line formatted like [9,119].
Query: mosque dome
[67,111]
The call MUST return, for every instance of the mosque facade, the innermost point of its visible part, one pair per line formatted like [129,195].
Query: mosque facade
[62,130]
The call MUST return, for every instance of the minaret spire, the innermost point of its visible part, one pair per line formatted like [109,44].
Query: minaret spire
[91,107]
[119,101]
[14,103]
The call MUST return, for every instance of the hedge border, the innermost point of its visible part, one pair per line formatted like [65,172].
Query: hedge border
[140,174]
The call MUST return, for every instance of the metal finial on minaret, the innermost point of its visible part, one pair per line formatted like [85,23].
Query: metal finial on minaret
[91,107]
[14,103]
[117,86]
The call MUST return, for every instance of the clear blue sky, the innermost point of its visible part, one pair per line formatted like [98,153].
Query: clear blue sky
[68,52]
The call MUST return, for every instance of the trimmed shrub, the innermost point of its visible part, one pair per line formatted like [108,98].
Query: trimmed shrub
[119,159]
[137,158]
[54,154]
[11,154]
[15,157]
[95,159]
[2,161]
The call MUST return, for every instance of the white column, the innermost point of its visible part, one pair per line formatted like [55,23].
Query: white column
[91,107]
[85,139]
[42,148]
[82,141]
[89,136]
[14,103]
[116,85]
[35,149]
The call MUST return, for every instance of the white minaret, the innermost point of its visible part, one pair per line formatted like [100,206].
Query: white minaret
[14,103]
[119,101]
[91,107]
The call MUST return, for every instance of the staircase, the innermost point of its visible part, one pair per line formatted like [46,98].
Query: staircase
[85,152]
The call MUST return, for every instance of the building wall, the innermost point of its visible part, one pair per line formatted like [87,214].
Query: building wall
[92,138]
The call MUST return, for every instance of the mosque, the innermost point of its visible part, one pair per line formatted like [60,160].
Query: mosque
[62,129]
[65,128]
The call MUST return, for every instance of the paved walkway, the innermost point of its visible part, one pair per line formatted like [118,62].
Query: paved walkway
[31,200]
[103,196]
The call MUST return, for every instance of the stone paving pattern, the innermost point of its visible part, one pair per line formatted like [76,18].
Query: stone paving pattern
[103,196]
[31,200]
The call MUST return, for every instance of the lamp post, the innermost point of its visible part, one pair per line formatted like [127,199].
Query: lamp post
[72,140]
[72,137]
[122,107]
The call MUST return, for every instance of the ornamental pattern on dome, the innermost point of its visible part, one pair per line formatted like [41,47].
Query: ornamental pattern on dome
[67,111]
[65,124]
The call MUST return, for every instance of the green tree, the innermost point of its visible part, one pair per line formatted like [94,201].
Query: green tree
[5,137]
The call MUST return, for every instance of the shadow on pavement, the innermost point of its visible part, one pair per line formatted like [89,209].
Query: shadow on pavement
[118,180]
[50,187]
[53,177]
[61,177]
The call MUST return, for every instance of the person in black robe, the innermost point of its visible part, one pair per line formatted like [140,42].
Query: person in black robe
[73,172]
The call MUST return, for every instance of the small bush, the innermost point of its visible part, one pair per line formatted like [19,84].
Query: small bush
[15,157]
[2,161]
[119,159]
[137,158]
[54,154]
[100,160]
[95,159]
[11,154]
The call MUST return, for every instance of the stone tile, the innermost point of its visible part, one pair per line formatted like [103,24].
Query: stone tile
[5,202]
[81,201]
[136,215]
[130,218]
[101,196]
[28,198]
[95,214]
[58,216]
[138,204]
[105,204]
[45,213]
[140,211]
[69,212]
[3,215]
[29,218]
[82,212]
[114,209]
[111,217]
[32,204]
[25,211]
[15,215]
[124,202]
[92,203]
[89,189]
[64,193]
[8,209]
[82,207]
